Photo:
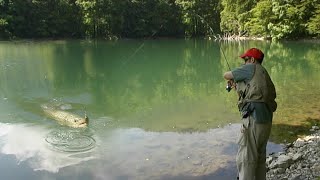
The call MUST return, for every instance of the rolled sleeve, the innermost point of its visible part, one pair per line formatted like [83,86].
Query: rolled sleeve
[243,73]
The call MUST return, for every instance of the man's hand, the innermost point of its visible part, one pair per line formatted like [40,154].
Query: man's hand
[228,75]
[231,84]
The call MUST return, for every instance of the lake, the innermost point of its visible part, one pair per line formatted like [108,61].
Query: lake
[157,109]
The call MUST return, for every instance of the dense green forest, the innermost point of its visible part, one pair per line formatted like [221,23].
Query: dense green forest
[276,19]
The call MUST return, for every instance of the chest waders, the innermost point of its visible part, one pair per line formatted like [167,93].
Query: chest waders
[259,89]
[253,138]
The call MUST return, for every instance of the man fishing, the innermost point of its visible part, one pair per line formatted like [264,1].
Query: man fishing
[256,104]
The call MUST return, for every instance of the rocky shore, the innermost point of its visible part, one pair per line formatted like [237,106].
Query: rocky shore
[299,161]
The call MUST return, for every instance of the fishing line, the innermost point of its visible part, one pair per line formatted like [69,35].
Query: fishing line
[134,53]
[212,33]
[140,47]
[229,85]
[225,57]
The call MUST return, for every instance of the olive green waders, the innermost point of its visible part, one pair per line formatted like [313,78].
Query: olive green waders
[251,155]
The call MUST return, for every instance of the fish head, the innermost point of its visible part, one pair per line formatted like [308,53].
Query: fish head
[86,118]
[81,122]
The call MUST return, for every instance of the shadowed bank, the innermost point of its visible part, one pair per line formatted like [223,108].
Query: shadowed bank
[285,133]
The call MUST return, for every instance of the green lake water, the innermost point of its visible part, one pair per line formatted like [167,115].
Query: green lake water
[158,109]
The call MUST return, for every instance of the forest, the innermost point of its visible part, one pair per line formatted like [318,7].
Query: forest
[113,19]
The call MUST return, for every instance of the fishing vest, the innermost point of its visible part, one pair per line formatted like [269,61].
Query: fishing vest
[259,89]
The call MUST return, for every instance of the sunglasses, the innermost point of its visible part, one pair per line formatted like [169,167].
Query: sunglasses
[246,58]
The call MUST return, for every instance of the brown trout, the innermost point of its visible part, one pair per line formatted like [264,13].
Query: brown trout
[65,117]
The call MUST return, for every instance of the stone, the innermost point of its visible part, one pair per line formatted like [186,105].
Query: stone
[301,161]
[283,161]
[269,160]
[297,156]
[295,177]
[280,170]
[316,167]
[299,143]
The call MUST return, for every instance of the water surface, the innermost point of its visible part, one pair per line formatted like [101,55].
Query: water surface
[158,109]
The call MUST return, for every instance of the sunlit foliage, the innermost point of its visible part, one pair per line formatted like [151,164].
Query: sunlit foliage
[112,19]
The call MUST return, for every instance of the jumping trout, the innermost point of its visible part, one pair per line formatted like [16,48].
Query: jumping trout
[65,117]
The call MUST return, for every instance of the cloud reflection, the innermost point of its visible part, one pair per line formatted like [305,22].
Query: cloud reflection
[131,153]
[26,143]
[137,154]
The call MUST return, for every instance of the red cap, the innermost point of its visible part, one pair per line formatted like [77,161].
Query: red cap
[253,52]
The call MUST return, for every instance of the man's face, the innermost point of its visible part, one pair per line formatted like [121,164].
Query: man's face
[249,60]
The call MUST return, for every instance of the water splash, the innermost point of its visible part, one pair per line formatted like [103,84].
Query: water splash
[70,140]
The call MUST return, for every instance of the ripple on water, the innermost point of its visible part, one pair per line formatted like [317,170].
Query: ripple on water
[70,141]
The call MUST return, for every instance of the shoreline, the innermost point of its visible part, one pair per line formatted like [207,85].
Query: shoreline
[207,37]
[300,159]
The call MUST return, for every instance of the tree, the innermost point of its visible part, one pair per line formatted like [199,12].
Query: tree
[313,26]
[89,16]
[4,33]
[259,18]
[200,17]
[235,14]
[291,18]
[148,18]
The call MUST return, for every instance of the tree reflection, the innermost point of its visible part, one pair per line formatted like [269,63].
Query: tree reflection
[162,85]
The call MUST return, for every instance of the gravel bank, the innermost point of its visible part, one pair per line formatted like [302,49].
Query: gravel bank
[299,161]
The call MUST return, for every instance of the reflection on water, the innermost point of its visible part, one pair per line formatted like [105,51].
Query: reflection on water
[152,155]
[156,111]
[132,153]
[27,143]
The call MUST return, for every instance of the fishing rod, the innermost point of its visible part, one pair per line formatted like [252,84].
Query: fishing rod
[229,83]
[225,57]
[213,34]
[205,22]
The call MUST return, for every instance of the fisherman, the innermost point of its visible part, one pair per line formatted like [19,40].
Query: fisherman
[256,104]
